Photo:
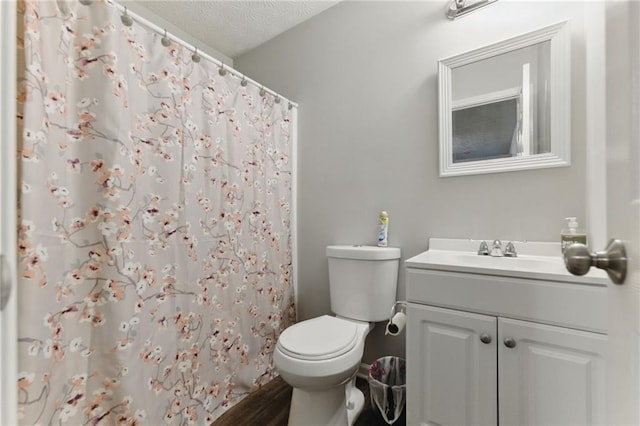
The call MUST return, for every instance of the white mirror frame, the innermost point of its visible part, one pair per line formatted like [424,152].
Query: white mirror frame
[560,104]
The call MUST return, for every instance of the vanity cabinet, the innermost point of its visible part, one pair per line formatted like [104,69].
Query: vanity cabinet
[451,374]
[489,350]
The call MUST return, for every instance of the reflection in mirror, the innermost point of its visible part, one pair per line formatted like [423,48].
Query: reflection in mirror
[496,105]
[484,131]
[492,110]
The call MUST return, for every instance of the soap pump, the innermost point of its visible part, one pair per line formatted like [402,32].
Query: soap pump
[571,234]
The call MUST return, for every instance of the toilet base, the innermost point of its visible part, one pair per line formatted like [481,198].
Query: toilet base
[326,406]
[355,406]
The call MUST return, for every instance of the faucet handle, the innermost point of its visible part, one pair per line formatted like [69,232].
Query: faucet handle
[510,250]
[483,250]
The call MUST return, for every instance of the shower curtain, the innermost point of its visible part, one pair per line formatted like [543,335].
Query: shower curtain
[155,225]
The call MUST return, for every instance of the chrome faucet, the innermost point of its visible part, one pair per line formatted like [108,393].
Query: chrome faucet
[510,250]
[496,250]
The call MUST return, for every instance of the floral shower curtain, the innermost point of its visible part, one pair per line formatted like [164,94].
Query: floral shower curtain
[155,225]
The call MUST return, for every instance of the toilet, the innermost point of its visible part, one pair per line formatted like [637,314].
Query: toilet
[320,357]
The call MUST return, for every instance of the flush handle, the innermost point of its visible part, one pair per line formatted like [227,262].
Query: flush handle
[485,338]
[613,259]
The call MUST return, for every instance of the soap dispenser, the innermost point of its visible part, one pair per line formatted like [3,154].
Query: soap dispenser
[571,234]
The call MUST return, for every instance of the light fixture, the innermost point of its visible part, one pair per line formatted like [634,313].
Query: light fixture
[458,8]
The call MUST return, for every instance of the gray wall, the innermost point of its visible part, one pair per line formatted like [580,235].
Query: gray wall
[365,76]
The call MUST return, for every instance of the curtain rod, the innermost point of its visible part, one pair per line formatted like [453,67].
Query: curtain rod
[159,30]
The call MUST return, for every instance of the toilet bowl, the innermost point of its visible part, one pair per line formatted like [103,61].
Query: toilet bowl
[320,357]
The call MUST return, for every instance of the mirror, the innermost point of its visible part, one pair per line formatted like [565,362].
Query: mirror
[506,106]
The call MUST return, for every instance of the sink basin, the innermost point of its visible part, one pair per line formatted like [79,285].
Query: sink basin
[536,260]
[535,263]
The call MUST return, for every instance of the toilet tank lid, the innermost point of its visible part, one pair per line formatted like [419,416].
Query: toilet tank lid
[363,252]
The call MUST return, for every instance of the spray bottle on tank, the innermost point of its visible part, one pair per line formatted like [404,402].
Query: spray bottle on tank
[383,229]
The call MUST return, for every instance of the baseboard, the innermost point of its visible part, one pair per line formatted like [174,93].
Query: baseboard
[363,371]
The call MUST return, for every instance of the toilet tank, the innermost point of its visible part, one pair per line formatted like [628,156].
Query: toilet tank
[363,281]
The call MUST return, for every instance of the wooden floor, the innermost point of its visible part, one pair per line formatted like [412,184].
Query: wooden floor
[269,406]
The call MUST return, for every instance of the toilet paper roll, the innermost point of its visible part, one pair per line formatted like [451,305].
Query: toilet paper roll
[396,324]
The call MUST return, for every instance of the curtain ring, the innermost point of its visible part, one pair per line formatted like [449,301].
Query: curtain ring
[86,2]
[195,57]
[277,99]
[127,21]
[290,106]
[262,91]
[166,41]
[222,71]
[244,81]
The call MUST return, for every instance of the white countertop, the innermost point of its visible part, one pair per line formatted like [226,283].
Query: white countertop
[536,260]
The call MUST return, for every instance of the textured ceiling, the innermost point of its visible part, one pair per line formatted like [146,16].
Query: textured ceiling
[234,27]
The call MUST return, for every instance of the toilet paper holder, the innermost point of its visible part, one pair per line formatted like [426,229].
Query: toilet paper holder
[397,319]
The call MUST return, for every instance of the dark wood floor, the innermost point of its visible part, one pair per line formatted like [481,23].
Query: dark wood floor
[269,406]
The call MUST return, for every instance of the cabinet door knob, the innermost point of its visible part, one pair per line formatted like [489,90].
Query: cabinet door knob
[485,338]
[510,342]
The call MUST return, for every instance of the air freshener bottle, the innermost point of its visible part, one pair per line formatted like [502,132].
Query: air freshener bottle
[571,234]
[383,229]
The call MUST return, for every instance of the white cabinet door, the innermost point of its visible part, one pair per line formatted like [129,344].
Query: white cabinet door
[552,376]
[451,373]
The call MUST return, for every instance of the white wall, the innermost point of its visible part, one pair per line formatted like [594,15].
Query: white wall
[8,217]
[365,75]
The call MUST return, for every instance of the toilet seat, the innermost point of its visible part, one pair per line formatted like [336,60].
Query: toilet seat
[318,338]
